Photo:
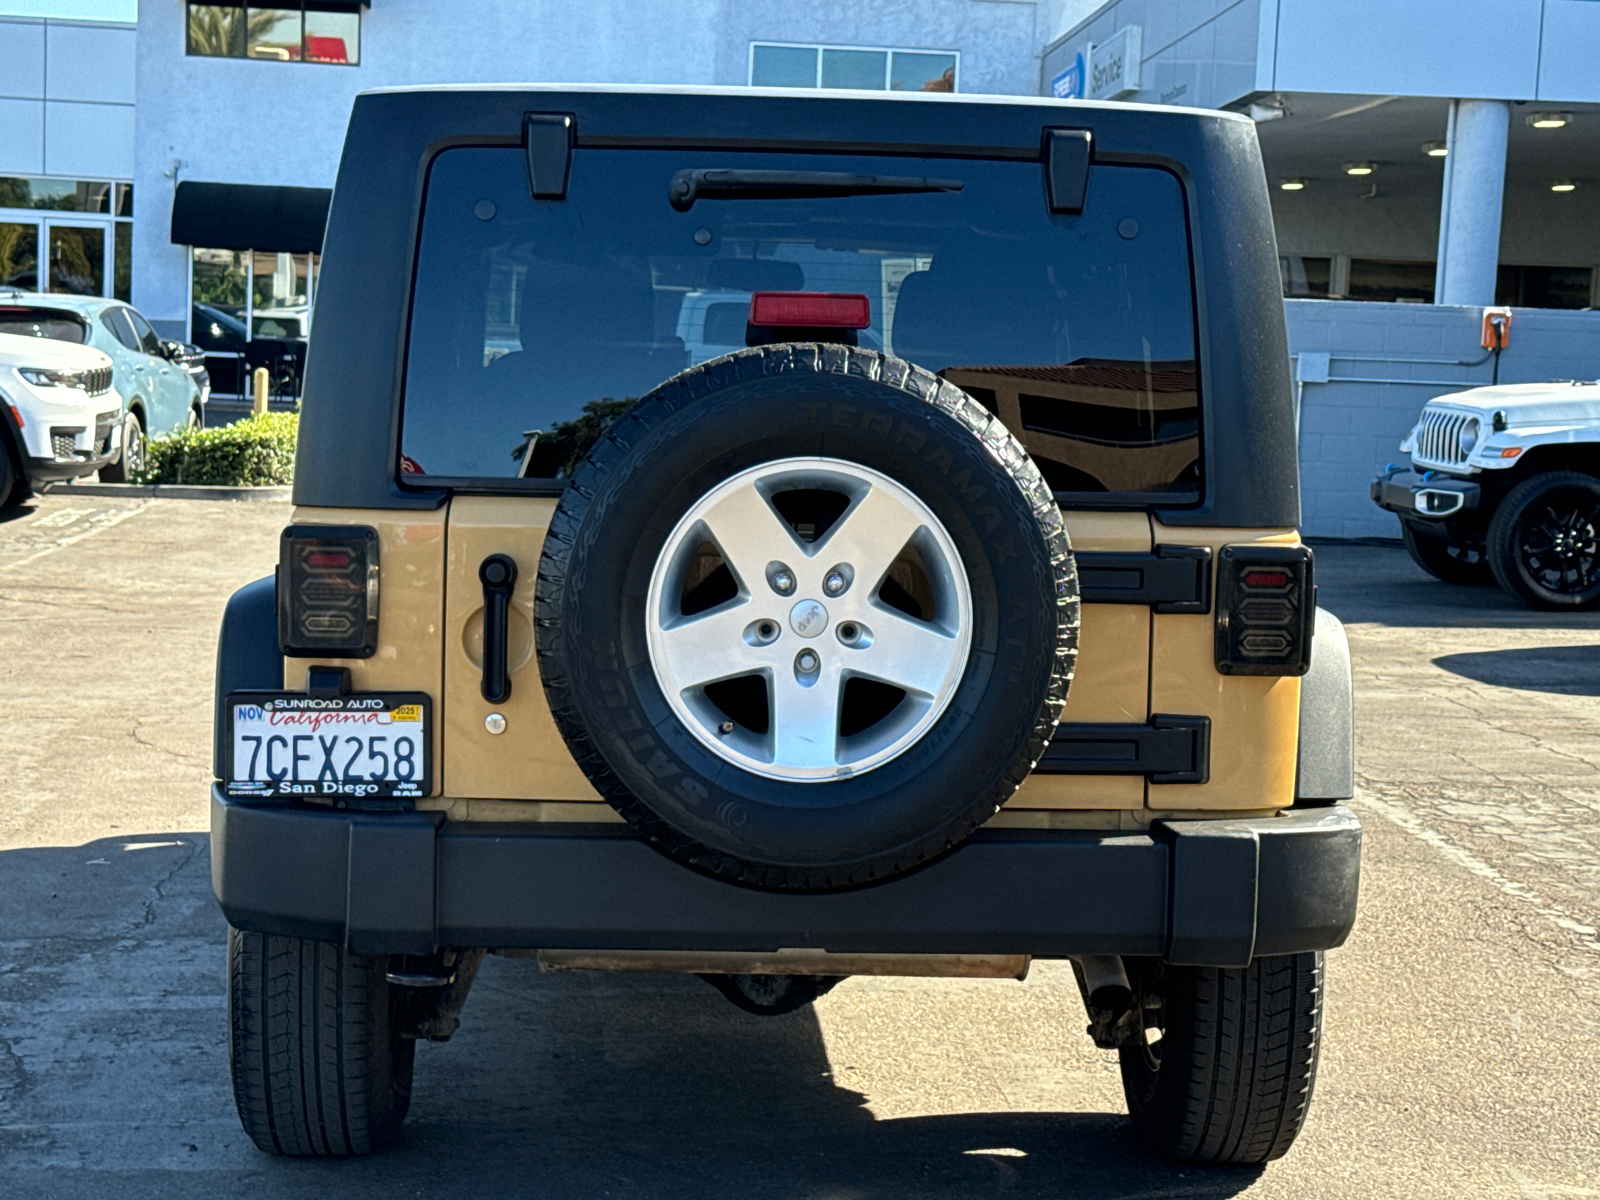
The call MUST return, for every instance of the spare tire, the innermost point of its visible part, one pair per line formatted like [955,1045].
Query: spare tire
[806,616]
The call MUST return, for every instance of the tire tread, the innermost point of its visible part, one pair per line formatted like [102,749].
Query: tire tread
[316,1071]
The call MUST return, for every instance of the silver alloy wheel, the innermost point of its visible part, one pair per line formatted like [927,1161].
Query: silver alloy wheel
[807,618]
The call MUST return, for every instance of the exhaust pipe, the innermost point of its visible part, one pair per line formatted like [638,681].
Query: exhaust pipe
[1108,997]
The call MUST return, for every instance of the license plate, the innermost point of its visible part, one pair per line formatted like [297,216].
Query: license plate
[358,746]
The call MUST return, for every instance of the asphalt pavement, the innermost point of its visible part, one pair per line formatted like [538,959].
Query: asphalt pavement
[1463,1031]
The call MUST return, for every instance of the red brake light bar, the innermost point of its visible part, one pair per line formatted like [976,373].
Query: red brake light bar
[810,310]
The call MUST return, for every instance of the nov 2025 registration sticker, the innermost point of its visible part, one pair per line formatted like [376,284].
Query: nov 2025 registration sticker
[334,747]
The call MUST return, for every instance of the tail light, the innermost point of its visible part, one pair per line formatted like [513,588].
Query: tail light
[328,591]
[1266,610]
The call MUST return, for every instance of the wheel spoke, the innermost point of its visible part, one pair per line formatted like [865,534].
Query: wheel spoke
[909,654]
[710,646]
[805,720]
[870,536]
[750,534]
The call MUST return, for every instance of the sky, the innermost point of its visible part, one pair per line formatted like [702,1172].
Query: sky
[74,10]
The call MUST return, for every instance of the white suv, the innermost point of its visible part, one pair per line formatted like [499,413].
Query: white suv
[1504,484]
[59,416]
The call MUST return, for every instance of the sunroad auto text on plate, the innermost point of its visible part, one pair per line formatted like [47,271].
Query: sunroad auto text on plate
[334,746]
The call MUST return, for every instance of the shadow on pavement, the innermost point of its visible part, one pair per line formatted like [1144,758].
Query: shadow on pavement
[1378,584]
[1564,670]
[114,1075]
[16,512]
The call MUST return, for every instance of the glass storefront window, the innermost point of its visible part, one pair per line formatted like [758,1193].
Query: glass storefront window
[333,37]
[78,259]
[215,31]
[19,255]
[913,72]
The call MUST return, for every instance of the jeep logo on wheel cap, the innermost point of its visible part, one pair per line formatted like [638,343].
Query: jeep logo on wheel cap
[808,618]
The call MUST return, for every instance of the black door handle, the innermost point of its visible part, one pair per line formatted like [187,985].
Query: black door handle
[498,574]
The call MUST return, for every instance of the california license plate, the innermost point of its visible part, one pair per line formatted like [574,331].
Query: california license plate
[358,746]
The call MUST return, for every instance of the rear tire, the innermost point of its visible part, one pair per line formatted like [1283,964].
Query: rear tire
[1445,561]
[319,1066]
[1229,1079]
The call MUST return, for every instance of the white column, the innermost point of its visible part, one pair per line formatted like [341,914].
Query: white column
[1474,187]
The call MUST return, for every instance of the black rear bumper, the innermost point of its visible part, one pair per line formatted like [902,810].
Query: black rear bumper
[1197,892]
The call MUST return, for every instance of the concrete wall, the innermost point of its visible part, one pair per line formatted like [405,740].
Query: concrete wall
[243,121]
[66,99]
[1213,52]
[1385,365]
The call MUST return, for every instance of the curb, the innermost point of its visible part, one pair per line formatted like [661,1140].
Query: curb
[161,491]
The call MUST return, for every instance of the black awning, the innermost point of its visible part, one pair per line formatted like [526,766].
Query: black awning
[243,216]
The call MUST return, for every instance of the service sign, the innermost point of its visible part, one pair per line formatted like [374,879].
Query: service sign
[372,745]
[1113,68]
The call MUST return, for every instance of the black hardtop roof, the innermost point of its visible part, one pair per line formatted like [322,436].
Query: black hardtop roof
[349,435]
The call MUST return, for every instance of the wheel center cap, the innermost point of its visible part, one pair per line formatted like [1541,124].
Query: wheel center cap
[808,618]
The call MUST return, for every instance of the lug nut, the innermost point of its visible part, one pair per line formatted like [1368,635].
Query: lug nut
[834,583]
[807,661]
[783,582]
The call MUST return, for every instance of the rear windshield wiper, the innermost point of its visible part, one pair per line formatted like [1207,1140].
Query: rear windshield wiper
[688,186]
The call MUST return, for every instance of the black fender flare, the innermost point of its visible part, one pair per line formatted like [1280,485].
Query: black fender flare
[1326,770]
[248,655]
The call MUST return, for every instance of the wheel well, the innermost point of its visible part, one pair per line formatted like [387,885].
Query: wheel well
[1539,459]
[137,409]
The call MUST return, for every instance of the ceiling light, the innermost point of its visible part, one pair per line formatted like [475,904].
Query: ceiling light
[1549,120]
[1435,149]
[1564,185]
[1291,185]
[1358,168]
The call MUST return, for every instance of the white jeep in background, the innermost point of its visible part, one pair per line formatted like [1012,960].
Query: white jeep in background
[1504,484]
[60,418]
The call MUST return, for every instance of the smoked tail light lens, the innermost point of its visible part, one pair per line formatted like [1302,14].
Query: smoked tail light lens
[328,591]
[1266,610]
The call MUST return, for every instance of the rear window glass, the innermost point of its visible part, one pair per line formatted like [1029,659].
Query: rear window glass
[42,322]
[537,323]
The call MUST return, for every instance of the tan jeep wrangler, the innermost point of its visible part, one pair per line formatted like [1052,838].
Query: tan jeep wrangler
[956,616]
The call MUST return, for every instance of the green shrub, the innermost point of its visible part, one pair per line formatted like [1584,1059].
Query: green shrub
[255,451]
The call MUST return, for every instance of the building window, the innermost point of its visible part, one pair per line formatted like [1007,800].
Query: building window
[1544,287]
[774,64]
[318,31]
[1391,280]
[1305,276]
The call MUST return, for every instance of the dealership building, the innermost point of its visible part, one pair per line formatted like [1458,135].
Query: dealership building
[1417,150]
[1428,156]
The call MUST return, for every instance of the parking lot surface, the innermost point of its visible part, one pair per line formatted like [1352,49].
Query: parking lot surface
[1463,1027]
